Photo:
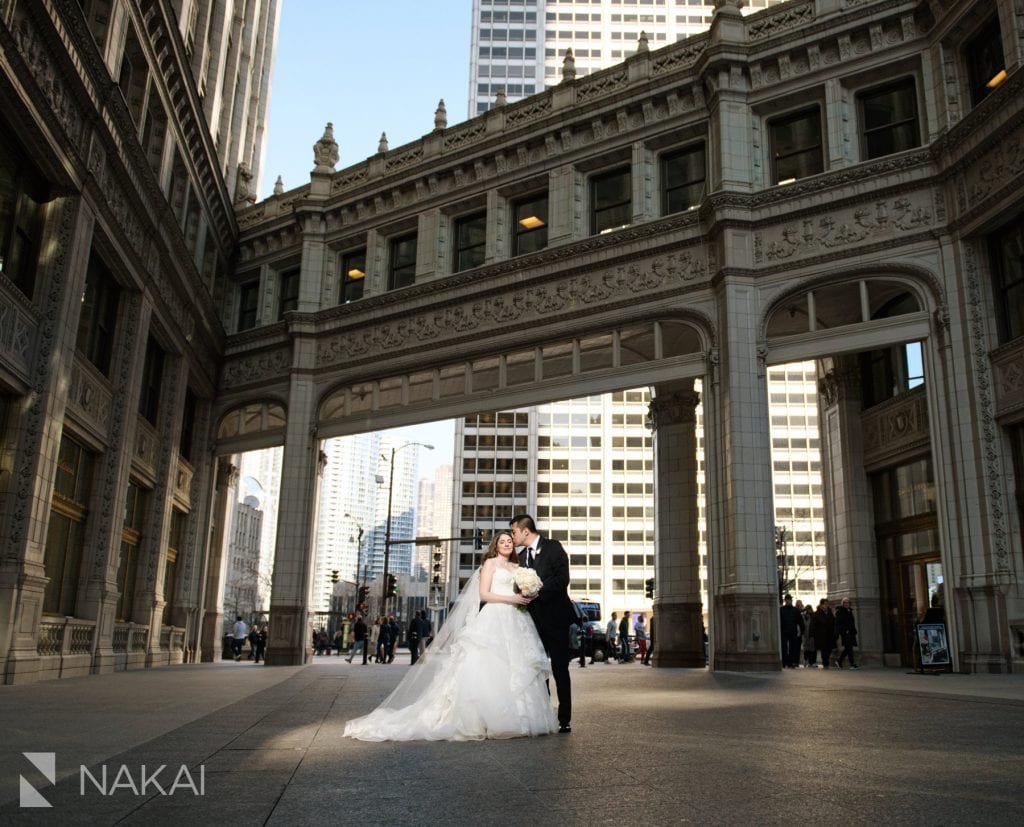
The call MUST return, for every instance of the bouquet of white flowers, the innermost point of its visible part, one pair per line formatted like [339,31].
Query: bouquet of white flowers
[527,582]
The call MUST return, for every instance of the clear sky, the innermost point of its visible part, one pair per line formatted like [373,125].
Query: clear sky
[367,66]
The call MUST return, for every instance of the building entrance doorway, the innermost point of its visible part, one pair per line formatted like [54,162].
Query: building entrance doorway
[913,594]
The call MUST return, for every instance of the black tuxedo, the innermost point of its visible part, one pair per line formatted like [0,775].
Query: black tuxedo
[552,614]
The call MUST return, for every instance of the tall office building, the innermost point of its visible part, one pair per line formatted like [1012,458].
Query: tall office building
[518,46]
[433,516]
[348,500]
[593,482]
[244,593]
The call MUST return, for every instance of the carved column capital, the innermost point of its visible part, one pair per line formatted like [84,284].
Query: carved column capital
[674,409]
[227,473]
[839,384]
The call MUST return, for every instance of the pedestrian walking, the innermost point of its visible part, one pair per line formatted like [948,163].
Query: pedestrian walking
[846,628]
[824,632]
[239,632]
[611,635]
[625,655]
[359,636]
[640,631]
[790,626]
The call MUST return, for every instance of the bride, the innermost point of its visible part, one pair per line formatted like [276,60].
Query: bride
[483,676]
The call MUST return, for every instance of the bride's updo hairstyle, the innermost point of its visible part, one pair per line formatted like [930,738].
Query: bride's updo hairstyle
[492,547]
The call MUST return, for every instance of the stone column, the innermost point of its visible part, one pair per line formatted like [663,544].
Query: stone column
[852,558]
[289,643]
[678,620]
[103,538]
[745,578]
[217,564]
[149,598]
[36,435]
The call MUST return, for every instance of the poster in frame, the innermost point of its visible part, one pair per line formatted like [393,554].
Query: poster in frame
[932,645]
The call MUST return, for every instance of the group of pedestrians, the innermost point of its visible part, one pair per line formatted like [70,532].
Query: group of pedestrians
[255,635]
[817,633]
[621,634]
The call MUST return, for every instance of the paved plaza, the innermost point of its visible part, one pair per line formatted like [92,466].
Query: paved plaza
[649,746]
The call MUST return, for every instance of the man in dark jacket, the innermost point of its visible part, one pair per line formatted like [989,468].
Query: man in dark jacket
[791,625]
[551,609]
[824,632]
[414,635]
[846,628]
[359,636]
[395,634]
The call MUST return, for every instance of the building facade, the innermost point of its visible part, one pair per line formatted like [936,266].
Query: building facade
[129,133]
[860,208]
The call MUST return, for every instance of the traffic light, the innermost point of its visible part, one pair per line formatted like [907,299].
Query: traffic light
[364,592]
[334,576]
[435,567]
[478,540]
[649,583]
[392,586]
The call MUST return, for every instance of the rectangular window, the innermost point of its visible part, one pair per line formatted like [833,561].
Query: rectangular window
[402,262]
[188,425]
[986,67]
[611,204]
[1006,251]
[21,216]
[288,292]
[530,224]
[152,373]
[62,557]
[682,179]
[96,323]
[353,276]
[470,242]
[796,146]
[889,119]
[248,305]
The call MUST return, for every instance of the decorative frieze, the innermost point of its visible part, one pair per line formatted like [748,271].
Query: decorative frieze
[622,282]
[771,23]
[89,399]
[256,367]
[1008,365]
[894,428]
[16,330]
[844,228]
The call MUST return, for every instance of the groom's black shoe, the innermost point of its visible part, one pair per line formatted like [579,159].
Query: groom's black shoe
[564,728]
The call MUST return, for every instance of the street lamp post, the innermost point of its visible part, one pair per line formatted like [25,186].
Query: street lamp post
[366,577]
[387,527]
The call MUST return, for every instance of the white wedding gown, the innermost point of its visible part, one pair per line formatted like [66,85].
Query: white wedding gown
[488,683]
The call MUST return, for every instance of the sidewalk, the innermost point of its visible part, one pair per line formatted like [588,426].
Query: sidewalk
[655,746]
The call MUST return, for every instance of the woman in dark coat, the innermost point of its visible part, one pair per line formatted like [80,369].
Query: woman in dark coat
[824,632]
[847,631]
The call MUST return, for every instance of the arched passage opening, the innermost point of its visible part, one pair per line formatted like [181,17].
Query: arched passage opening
[875,341]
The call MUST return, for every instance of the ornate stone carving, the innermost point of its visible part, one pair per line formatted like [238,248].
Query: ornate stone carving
[245,192]
[995,170]
[679,408]
[16,330]
[977,317]
[325,151]
[621,282]
[255,367]
[845,228]
[895,427]
[769,24]
[441,115]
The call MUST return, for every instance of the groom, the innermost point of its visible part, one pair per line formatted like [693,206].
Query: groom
[551,609]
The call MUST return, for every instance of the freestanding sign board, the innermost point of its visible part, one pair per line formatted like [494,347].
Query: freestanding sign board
[932,645]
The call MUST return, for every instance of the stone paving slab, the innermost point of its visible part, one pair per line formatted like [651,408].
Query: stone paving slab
[649,746]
